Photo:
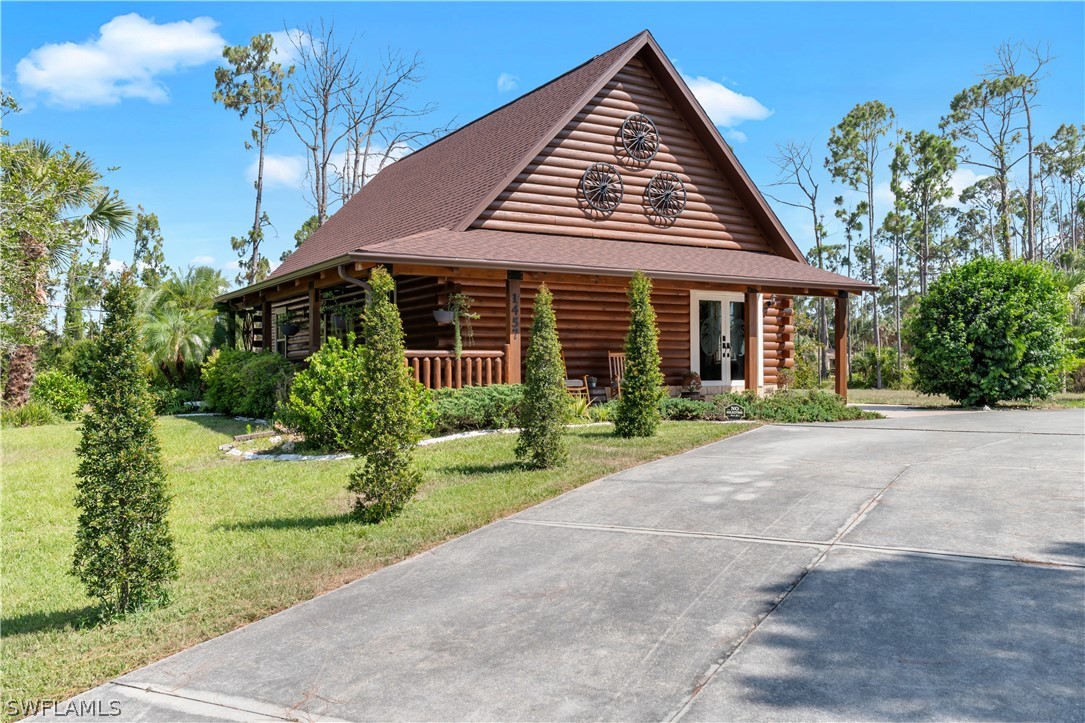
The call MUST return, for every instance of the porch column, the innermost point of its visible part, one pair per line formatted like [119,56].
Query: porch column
[314,319]
[266,325]
[512,327]
[753,341]
[840,341]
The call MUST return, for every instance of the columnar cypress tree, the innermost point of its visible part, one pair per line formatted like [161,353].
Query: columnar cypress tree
[393,411]
[545,402]
[124,551]
[642,385]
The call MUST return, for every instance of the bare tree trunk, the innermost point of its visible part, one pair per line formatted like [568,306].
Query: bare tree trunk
[254,260]
[874,280]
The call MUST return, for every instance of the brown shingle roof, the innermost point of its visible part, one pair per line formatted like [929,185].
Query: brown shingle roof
[441,184]
[542,252]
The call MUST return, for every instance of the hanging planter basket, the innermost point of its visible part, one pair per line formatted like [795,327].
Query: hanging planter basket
[443,316]
[290,329]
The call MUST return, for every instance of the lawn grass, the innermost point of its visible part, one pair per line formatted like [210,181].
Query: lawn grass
[910,398]
[252,537]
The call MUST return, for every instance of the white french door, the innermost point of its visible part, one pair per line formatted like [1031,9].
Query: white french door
[718,337]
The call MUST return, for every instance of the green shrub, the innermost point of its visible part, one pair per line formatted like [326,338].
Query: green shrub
[545,404]
[642,386]
[31,414]
[493,407]
[245,383]
[864,371]
[603,412]
[61,391]
[326,399]
[124,551]
[169,399]
[678,408]
[990,331]
[392,411]
[1075,375]
[792,406]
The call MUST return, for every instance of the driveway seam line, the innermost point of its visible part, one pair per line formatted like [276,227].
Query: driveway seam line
[155,691]
[942,555]
[824,425]
[718,666]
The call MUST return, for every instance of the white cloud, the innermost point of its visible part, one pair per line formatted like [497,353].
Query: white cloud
[724,106]
[286,41]
[961,179]
[232,265]
[124,61]
[507,82]
[281,171]
[203,261]
[115,267]
[736,135]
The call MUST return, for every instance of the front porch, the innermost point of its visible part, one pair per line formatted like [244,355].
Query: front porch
[734,337]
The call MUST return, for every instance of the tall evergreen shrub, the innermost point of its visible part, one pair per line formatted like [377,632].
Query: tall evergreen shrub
[545,405]
[989,331]
[642,386]
[393,412]
[124,551]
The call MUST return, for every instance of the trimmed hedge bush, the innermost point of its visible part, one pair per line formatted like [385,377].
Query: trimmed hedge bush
[124,553]
[793,406]
[245,383]
[642,386]
[392,411]
[546,406]
[990,331]
[492,407]
[61,391]
[325,403]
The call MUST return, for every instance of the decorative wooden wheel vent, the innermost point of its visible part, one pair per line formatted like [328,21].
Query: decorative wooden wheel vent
[666,194]
[602,187]
[640,137]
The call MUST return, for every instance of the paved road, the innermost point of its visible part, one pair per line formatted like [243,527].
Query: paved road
[931,566]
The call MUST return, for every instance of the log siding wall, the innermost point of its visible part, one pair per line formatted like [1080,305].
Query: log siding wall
[545,197]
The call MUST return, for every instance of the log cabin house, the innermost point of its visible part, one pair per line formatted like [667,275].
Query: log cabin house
[607,169]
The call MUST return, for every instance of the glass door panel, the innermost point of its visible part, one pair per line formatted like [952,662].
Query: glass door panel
[712,341]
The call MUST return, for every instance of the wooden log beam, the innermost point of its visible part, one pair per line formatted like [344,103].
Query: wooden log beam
[840,342]
[266,324]
[753,344]
[314,318]
[512,330]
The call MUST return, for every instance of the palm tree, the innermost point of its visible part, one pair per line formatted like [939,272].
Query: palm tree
[179,320]
[51,202]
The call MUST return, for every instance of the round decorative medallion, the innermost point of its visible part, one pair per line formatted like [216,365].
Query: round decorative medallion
[640,137]
[666,194]
[602,187]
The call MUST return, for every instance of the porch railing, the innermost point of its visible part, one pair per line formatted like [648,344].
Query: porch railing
[438,369]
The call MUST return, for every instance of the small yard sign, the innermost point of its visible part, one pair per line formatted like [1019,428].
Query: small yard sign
[735,412]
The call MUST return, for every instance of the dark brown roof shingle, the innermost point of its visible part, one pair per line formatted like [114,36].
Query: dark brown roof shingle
[575,254]
[440,184]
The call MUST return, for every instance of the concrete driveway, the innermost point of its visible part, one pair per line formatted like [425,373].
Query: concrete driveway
[931,566]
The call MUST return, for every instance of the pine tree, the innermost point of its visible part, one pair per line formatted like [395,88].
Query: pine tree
[392,411]
[545,403]
[642,386]
[124,551]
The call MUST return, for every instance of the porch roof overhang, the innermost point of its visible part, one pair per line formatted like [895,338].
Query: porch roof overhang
[552,253]
[480,248]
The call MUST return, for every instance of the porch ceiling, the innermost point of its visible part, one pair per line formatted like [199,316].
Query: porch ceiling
[480,248]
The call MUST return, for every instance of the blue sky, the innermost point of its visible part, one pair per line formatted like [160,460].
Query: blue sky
[136,93]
